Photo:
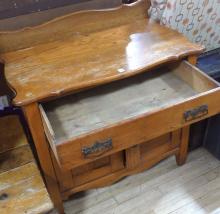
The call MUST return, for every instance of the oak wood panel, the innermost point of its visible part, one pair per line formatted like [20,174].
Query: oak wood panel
[197,79]
[133,157]
[123,43]
[90,172]
[147,147]
[97,169]
[156,148]
[117,161]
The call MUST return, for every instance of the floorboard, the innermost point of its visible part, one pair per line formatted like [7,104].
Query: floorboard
[164,189]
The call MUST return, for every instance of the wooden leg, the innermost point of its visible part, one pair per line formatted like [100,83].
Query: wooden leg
[176,136]
[182,155]
[36,127]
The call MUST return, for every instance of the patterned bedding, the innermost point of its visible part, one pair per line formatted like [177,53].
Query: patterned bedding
[199,20]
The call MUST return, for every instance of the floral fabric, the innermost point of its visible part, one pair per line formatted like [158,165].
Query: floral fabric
[199,20]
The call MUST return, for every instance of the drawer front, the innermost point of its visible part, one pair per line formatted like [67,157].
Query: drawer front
[131,132]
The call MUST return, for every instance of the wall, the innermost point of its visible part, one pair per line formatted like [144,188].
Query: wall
[25,13]
[19,7]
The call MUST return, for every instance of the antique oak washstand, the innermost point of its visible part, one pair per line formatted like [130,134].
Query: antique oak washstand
[106,94]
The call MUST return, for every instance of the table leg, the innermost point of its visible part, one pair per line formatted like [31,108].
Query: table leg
[184,143]
[33,117]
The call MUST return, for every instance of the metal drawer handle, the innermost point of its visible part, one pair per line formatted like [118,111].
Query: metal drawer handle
[97,149]
[196,113]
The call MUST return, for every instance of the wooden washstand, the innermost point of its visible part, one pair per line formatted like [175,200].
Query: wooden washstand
[106,94]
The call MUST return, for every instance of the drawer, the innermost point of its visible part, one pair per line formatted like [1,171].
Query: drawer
[101,121]
[97,169]
[73,179]
[159,147]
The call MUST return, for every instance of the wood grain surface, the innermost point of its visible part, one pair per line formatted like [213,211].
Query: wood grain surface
[24,191]
[22,188]
[103,46]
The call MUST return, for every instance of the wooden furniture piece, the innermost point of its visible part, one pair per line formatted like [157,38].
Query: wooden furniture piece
[106,94]
[22,189]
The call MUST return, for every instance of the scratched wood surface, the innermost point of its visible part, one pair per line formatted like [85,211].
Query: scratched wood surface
[102,47]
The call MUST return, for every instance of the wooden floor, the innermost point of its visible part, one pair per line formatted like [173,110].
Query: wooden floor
[166,188]
[22,190]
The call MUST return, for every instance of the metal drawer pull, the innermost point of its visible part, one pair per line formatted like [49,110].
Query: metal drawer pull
[98,148]
[196,113]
